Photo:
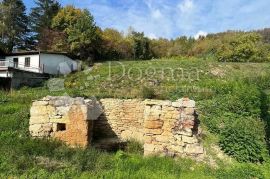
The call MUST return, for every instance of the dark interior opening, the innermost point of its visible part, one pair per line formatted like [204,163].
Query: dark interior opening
[61,127]
[5,84]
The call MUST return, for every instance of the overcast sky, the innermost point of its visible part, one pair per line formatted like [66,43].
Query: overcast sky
[173,18]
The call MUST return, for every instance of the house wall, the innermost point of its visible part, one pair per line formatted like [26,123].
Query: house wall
[57,64]
[34,62]
[21,78]
[4,74]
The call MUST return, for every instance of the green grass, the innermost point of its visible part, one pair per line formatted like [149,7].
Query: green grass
[224,92]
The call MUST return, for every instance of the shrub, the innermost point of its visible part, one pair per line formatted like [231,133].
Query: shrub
[148,93]
[243,139]
[244,48]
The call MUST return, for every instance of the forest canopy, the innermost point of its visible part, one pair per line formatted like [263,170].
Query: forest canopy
[50,27]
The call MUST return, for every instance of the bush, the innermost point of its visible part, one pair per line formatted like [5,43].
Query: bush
[243,139]
[247,47]
[148,93]
[234,115]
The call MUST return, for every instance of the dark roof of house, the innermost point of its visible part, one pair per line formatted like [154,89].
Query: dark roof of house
[35,53]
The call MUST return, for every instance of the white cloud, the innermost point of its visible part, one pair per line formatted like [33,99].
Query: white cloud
[200,34]
[186,6]
[151,36]
[173,18]
[156,14]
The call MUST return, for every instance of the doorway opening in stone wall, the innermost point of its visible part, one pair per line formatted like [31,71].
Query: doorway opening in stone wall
[5,84]
[104,137]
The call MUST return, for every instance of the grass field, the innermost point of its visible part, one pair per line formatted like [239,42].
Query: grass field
[232,101]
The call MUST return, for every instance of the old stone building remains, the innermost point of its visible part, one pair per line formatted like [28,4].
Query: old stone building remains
[163,127]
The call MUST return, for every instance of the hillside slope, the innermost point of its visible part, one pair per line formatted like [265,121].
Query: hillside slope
[232,100]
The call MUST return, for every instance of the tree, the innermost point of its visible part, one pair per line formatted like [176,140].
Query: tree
[181,46]
[41,17]
[115,45]
[141,46]
[81,32]
[14,23]
[243,48]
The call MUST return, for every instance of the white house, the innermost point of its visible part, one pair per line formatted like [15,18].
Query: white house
[26,66]
[39,62]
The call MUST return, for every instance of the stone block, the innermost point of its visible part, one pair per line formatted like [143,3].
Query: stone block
[176,104]
[38,111]
[151,102]
[185,132]
[156,124]
[189,104]
[40,103]
[63,119]
[39,120]
[194,149]
[177,148]
[148,139]
[189,111]
[153,131]
[51,110]
[189,140]
[40,130]
[149,147]
[188,124]
[62,110]
[34,128]
[166,103]
[163,139]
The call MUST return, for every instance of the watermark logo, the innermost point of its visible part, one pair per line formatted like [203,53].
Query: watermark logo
[118,71]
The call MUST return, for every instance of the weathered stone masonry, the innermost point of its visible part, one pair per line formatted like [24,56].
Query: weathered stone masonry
[164,127]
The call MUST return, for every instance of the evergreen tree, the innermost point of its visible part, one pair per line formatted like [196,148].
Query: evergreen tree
[141,46]
[41,17]
[13,25]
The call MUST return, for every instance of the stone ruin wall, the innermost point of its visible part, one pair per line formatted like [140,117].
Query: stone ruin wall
[121,118]
[63,118]
[164,127]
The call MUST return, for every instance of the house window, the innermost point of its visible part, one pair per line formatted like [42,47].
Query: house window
[27,62]
[15,62]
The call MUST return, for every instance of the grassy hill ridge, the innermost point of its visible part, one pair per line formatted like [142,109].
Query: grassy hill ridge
[232,101]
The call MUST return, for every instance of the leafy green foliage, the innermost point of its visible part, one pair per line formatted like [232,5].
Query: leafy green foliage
[148,93]
[243,139]
[81,36]
[41,18]
[234,116]
[13,25]
[246,47]
[141,46]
